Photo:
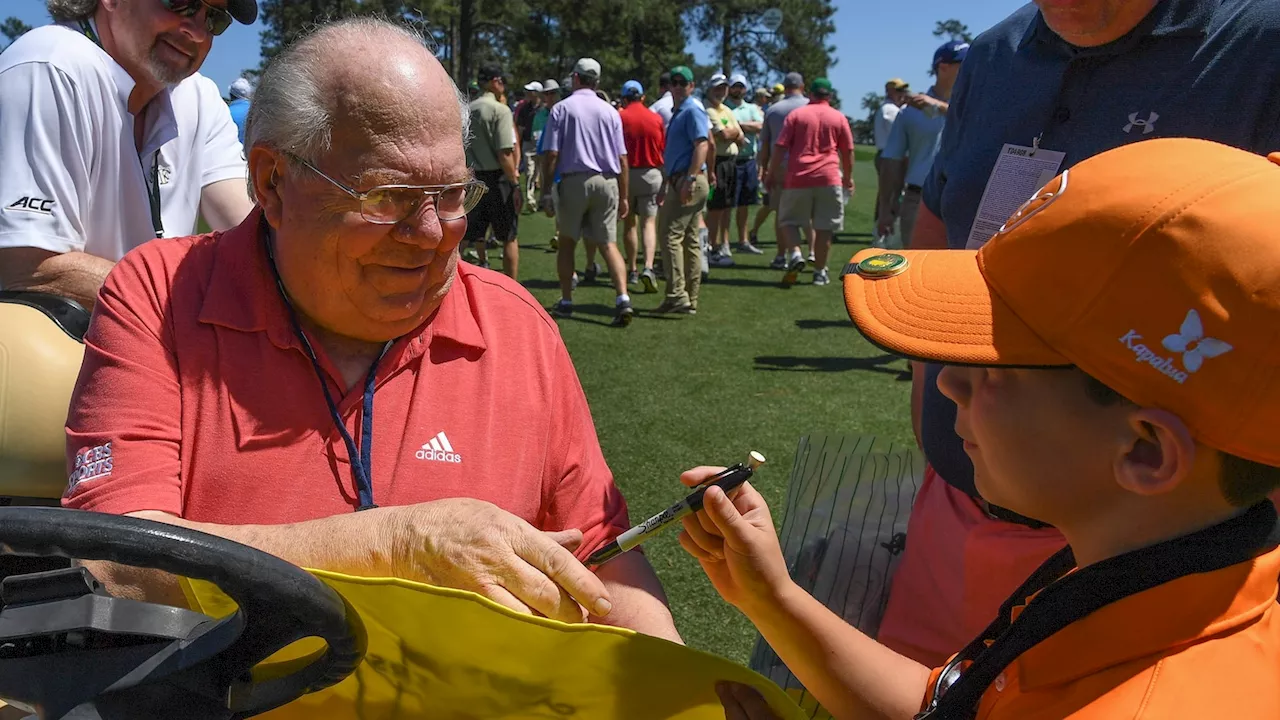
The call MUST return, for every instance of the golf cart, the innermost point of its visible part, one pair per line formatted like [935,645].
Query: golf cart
[68,649]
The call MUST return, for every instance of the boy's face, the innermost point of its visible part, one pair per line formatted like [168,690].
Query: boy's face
[1040,445]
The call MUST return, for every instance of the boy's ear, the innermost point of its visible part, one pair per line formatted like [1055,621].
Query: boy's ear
[1161,455]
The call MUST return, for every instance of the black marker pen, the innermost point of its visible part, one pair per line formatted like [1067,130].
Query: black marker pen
[728,480]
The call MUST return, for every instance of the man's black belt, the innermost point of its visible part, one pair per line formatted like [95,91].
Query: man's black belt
[915,188]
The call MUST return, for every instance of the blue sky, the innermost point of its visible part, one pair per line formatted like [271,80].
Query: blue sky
[875,40]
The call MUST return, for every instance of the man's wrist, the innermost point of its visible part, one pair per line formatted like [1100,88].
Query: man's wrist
[775,608]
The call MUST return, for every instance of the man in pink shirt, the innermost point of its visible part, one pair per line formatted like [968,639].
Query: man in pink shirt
[230,381]
[818,143]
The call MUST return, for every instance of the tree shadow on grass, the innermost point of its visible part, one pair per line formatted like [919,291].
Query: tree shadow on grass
[744,282]
[789,363]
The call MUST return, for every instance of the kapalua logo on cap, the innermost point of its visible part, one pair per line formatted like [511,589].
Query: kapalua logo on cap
[1190,341]
[1043,198]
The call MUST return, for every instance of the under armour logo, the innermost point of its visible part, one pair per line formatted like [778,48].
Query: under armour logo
[1148,126]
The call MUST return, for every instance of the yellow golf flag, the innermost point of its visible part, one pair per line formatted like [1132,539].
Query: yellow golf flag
[453,655]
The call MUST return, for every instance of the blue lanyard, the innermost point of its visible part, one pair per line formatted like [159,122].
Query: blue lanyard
[361,458]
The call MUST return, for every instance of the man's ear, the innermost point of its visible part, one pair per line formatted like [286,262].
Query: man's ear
[266,170]
[1161,455]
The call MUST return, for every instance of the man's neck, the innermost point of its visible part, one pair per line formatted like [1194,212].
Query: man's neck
[942,90]
[353,357]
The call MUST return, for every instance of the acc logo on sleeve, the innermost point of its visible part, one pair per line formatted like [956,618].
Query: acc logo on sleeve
[92,463]
[32,204]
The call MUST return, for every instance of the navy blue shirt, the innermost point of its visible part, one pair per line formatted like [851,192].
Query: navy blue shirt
[1206,69]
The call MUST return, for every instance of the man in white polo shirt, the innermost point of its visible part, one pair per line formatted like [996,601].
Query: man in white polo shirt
[110,138]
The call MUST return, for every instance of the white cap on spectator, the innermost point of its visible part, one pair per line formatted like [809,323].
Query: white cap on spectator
[717,80]
[587,66]
[738,79]
[534,86]
[240,88]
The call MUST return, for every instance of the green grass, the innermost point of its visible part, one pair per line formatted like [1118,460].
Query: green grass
[757,368]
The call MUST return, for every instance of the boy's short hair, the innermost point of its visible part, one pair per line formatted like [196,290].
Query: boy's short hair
[1243,482]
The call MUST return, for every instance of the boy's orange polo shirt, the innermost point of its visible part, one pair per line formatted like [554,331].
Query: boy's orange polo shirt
[1202,646]
[196,399]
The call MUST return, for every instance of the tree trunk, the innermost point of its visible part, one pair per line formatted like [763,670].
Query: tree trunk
[726,42]
[637,52]
[453,48]
[466,40]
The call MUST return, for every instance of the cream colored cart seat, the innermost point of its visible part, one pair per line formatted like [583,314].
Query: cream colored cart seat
[40,354]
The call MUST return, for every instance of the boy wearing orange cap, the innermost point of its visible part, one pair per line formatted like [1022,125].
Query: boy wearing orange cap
[1115,356]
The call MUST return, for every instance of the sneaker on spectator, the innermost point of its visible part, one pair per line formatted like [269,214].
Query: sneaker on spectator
[573,282]
[794,267]
[470,255]
[671,307]
[779,263]
[649,281]
[753,239]
[633,278]
[820,277]
[563,308]
[555,242]
[811,257]
[721,260]
[624,315]
[749,249]
[593,271]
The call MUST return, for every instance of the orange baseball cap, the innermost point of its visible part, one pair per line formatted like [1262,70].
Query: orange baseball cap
[1154,267]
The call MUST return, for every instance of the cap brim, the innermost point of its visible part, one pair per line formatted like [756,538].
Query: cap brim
[244,11]
[941,309]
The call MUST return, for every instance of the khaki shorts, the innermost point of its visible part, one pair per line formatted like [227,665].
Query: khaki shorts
[642,192]
[588,208]
[821,208]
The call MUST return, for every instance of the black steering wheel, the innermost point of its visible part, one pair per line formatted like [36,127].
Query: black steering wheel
[279,603]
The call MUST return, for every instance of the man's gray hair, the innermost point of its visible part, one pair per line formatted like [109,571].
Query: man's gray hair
[291,109]
[71,10]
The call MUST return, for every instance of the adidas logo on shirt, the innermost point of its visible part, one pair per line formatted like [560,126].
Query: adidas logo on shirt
[439,450]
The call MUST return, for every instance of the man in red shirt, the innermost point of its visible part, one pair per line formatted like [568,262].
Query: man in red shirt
[645,138]
[230,381]
[819,144]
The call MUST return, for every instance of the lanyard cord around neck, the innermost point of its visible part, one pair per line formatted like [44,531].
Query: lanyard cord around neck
[153,183]
[361,458]
[1062,597]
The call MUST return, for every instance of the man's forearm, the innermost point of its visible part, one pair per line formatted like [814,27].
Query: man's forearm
[510,167]
[850,674]
[74,275]
[550,159]
[699,157]
[308,544]
[846,165]
[892,178]
[624,179]
[639,602]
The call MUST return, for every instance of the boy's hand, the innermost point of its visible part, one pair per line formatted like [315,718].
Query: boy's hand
[743,702]
[734,541]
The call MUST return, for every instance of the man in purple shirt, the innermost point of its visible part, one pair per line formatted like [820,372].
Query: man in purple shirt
[583,143]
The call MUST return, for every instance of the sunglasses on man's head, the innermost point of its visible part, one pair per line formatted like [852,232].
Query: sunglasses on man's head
[216,19]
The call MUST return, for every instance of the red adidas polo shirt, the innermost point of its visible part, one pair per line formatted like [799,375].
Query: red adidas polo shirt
[195,398]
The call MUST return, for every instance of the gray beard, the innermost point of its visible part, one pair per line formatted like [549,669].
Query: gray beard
[164,74]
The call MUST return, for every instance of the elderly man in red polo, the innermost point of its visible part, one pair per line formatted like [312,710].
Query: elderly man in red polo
[326,382]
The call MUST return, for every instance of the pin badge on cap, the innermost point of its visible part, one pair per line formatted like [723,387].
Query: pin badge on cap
[886,265]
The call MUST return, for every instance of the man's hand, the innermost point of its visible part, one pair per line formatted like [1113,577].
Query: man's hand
[517,198]
[474,545]
[743,702]
[624,208]
[736,544]
[686,191]
[921,101]
[548,206]
[848,184]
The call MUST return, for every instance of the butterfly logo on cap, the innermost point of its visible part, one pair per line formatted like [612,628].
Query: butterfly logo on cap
[1194,346]
[1043,198]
